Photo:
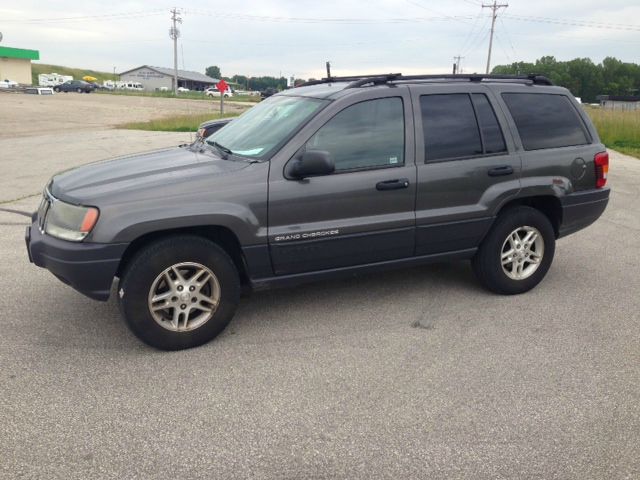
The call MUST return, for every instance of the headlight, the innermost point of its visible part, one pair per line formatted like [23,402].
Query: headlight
[70,222]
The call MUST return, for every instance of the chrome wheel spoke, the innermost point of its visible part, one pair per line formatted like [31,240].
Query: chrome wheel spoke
[184,297]
[522,253]
[161,296]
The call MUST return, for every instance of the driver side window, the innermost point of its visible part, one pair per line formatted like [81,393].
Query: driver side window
[369,134]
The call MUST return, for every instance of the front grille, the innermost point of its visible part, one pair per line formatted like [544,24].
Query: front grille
[43,209]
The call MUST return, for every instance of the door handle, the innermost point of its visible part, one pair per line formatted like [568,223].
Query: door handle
[393,184]
[499,171]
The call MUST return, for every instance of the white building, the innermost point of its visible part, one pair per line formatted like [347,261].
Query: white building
[619,102]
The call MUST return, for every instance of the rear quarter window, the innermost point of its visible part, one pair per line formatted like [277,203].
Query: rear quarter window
[545,120]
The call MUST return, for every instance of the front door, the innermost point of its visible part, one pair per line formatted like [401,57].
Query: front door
[363,212]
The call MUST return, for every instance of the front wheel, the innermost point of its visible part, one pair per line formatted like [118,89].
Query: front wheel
[179,292]
[517,253]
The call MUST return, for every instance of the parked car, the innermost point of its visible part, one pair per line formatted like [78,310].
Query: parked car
[79,86]
[8,83]
[267,92]
[183,89]
[207,128]
[214,92]
[335,178]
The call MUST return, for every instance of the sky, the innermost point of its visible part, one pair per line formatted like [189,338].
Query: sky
[297,37]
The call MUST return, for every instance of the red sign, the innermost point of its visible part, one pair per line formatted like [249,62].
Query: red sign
[222,86]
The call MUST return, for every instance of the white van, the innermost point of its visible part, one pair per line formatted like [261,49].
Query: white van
[133,86]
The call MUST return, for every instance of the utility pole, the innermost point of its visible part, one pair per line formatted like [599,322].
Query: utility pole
[174,33]
[494,14]
[456,64]
[328,69]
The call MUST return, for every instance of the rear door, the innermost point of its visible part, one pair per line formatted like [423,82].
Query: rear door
[362,213]
[467,165]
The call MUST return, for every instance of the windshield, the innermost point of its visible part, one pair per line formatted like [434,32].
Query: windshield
[265,126]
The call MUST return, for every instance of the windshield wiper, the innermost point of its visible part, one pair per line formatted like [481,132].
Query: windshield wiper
[224,151]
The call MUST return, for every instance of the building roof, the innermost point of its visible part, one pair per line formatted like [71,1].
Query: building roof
[19,53]
[182,74]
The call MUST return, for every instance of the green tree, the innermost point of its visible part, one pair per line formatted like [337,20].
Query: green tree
[213,72]
[581,76]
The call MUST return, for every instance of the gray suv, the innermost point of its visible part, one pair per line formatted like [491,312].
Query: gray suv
[338,177]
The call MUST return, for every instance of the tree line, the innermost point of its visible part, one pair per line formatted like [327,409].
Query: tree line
[581,76]
[250,83]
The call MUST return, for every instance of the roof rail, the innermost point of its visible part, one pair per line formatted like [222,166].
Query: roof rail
[361,80]
[351,78]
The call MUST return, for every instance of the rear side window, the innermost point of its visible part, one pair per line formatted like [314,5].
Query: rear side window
[459,125]
[491,132]
[545,120]
[449,126]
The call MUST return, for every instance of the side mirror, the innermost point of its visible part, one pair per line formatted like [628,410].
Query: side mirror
[312,163]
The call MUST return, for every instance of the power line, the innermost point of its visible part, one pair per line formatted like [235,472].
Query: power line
[575,23]
[106,17]
[471,31]
[335,20]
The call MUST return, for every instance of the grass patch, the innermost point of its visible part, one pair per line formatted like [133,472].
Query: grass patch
[178,123]
[76,73]
[619,130]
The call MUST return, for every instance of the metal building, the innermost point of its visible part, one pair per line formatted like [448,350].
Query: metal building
[619,102]
[159,78]
[15,64]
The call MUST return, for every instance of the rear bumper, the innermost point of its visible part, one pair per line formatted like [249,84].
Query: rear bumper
[581,209]
[87,267]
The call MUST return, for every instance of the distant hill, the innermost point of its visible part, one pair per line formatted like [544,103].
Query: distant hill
[77,73]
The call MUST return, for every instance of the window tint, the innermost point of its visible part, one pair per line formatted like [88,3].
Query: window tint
[491,133]
[364,135]
[545,120]
[449,126]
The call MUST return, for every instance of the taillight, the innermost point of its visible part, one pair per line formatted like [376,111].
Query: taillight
[601,161]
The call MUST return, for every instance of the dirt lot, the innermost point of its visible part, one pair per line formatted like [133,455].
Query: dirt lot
[28,115]
[42,135]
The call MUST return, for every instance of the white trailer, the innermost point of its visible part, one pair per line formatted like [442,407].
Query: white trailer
[52,79]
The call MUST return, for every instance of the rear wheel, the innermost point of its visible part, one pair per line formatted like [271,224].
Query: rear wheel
[79,90]
[517,253]
[179,292]
[56,89]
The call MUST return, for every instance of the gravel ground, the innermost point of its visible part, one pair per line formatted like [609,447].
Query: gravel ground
[30,115]
[408,374]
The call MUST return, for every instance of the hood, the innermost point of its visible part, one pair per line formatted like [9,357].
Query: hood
[147,175]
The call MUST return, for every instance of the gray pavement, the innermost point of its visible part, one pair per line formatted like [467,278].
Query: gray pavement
[407,374]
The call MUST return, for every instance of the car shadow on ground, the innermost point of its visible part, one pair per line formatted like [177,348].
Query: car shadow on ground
[345,304]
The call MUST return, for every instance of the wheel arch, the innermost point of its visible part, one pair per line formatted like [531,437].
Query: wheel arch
[549,205]
[222,236]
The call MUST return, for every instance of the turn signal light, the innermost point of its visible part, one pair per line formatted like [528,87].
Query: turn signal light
[601,161]
[89,220]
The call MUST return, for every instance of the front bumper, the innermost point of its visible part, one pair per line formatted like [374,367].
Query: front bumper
[581,209]
[87,267]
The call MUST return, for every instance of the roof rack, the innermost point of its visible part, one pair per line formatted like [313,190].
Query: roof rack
[362,80]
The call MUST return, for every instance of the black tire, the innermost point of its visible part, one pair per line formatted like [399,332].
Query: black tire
[487,263]
[56,89]
[144,268]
